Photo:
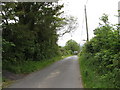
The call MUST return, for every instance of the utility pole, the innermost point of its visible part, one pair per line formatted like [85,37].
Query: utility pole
[119,17]
[119,12]
[86,24]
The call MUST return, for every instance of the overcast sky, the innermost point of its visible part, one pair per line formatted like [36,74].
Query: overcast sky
[95,9]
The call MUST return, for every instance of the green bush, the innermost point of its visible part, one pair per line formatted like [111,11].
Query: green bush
[101,57]
[29,66]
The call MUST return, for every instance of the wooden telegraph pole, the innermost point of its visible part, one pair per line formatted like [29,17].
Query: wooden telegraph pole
[86,24]
[119,17]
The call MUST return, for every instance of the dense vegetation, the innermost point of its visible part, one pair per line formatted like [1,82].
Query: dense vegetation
[30,33]
[100,57]
[72,46]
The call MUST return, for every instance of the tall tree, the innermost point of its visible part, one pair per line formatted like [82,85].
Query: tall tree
[30,30]
[72,45]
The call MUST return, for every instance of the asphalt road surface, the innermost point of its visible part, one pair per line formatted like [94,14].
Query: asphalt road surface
[62,74]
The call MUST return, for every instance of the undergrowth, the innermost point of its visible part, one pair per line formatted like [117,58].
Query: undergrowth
[30,66]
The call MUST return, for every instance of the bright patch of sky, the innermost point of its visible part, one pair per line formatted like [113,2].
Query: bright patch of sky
[95,9]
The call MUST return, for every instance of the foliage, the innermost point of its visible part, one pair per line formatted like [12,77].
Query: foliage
[72,46]
[29,66]
[100,57]
[64,52]
[30,32]
[70,25]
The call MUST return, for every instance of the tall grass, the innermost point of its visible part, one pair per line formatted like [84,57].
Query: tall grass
[91,78]
[29,66]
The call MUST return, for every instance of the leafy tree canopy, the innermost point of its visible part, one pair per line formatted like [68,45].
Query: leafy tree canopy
[72,45]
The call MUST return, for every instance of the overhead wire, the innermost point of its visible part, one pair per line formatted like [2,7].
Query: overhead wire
[83,21]
[82,25]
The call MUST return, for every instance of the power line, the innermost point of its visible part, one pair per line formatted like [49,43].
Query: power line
[82,24]
[86,2]
[85,16]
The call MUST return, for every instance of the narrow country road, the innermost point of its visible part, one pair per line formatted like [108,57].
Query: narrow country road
[62,74]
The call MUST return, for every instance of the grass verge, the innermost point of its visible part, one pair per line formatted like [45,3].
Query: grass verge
[6,82]
[90,77]
[28,67]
